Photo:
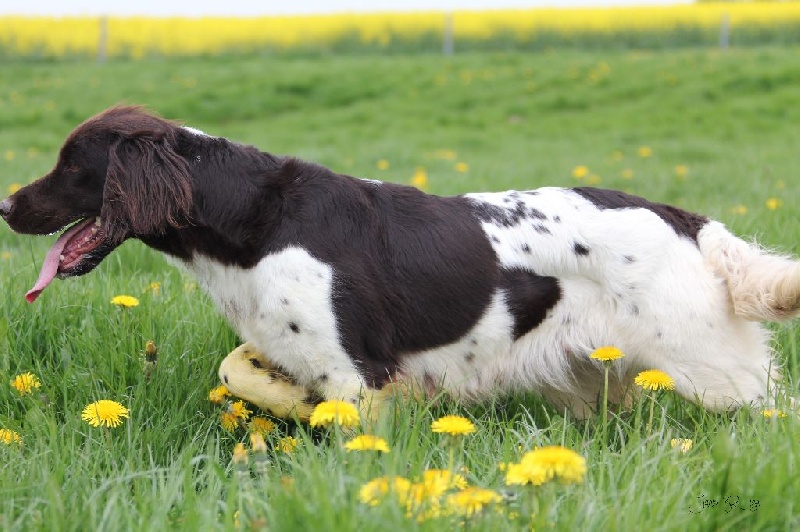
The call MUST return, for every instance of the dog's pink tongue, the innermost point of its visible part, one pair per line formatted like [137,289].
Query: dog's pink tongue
[50,266]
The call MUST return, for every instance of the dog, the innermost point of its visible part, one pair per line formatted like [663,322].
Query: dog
[349,286]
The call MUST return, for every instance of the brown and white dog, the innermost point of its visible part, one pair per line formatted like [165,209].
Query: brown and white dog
[349,285]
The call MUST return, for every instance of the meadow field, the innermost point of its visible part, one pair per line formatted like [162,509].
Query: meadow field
[710,131]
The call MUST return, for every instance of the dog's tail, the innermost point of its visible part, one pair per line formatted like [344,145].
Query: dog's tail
[763,286]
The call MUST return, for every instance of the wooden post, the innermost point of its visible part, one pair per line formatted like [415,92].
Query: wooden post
[102,40]
[447,43]
[725,31]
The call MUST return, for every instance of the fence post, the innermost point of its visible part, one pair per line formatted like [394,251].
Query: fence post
[102,40]
[725,31]
[447,44]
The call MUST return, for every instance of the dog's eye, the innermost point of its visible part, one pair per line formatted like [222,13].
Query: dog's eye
[256,364]
[73,168]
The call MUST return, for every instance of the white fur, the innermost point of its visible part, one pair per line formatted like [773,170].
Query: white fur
[288,287]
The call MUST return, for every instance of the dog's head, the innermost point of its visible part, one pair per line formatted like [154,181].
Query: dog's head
[118,175]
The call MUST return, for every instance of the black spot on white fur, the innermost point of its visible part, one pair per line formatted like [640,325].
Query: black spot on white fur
[529,297]
[294,327]
[580,249]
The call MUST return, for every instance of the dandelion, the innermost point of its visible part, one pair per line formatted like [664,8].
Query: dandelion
[6,255]
[684,445]
[218,394]
[259,447]
[681,171]
[606,354]
[774,203]
[773,413]
[420,178]
[382,164]
[240,454]
[437,481]
[261,425]
[375,491]
[239,410]
[593,179]
[470,501]
[228,421]
[150,358]
[26,382]
[104,413]
[741,210]
[579,172]
[453,425]
[367,442]
[336,412]
[654,380]
[287,444]
[10,155]
[461,167]
[154,288]
[13,188]
[617,156]
[627,174]
[447,155]
[125,301]
[644,152]
[547,463]
[8,436]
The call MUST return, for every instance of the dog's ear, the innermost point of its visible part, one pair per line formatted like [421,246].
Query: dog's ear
[148,187]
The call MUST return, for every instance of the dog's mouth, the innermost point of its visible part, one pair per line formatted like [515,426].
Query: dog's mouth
[76,252]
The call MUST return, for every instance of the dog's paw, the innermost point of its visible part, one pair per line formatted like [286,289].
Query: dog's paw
[250,375]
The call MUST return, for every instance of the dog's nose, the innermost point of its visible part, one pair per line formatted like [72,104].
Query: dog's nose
[5,207]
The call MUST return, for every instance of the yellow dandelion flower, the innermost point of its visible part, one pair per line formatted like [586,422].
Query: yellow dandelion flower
[218,394]
[261,425]
[436,482]
[547,463]
[13,188]
[6,255]
[682,444]
[645,152]
[420,178]
[257,443]
[470,501]
[654,379]
[617,156]
[773,413]
[287,444]
[741,210]
[367,442]
[240,454]
[780,184]
[774,203]
[593,179]
[239,410]
[447,155]
[104,413]
[125,301]
[26,382]
[681,171]
[338,412]
[10,155]
[461,167]
[579,172]
[31,153]
[453,425]
[627,174]
[9,436]
[376,490]
[154,288]
[382,164]
[607,353]
[228,421]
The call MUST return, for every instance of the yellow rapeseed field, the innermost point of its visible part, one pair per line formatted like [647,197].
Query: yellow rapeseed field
[141,36]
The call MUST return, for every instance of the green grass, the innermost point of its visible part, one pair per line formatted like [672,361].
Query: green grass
[519,121]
